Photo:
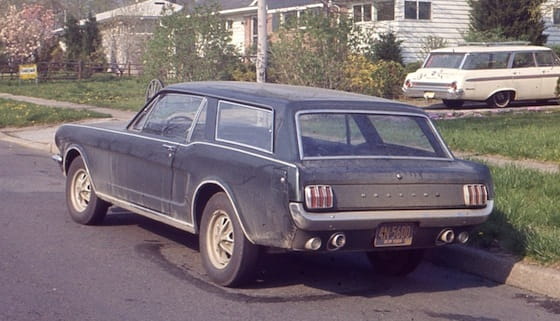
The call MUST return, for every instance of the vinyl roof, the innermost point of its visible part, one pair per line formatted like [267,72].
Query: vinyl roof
[275,95]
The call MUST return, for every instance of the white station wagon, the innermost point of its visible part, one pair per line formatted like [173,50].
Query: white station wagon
[494,74]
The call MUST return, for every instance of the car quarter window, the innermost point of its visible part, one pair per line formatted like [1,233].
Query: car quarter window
[492,60]
[173,115]
[245,125]
[545,58]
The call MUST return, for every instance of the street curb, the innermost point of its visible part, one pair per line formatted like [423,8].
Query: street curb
[45,147]
[503,269]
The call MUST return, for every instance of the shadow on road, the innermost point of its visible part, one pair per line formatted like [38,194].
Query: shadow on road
[289,276]
[473,105]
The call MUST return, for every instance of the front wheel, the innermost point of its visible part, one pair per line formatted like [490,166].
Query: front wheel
[83,205]
[500,99]
[228,257]
[395,262]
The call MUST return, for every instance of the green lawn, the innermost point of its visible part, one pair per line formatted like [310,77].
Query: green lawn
[107,91]
[526,218]
[531,135]
[18,114]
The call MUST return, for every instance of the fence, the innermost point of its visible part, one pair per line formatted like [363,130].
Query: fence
[72,70]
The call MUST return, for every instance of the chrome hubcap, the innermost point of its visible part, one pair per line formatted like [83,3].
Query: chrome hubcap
[81,190]
[219,239]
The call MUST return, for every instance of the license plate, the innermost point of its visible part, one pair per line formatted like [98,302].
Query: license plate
[394,235]
[429,95]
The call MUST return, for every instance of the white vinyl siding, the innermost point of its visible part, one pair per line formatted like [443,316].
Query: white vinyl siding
[449,19]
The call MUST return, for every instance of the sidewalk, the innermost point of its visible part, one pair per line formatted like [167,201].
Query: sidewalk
[499,268]
[42,137]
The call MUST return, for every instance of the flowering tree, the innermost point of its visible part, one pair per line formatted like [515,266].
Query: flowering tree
[24,33]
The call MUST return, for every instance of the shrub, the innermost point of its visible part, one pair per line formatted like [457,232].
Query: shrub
[387,48]
[381,78]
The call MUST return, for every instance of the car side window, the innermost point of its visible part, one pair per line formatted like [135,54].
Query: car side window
[523,60]
[172,116]
[245,125]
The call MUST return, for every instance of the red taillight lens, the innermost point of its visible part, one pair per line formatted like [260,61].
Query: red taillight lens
[319,196]
[453,85]
[407,84]
[475,194]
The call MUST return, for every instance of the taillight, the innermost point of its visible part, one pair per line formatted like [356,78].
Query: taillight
[475,194]
[453,85]
[319,196]
[407,83]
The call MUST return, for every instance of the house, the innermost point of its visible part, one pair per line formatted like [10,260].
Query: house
[125,30]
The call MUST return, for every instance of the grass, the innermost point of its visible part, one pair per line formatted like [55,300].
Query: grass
[526,218]
[105,91]
[18,114]
[532,135]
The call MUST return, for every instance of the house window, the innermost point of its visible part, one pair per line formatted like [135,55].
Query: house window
[378,11]
[362,12]
[385,10]
[556,16]
[418,10]
[295,18]
[229,24]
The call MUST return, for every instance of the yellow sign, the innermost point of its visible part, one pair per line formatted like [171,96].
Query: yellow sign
[28,72]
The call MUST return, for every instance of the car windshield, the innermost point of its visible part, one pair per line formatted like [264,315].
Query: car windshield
[444,60]
[333,134]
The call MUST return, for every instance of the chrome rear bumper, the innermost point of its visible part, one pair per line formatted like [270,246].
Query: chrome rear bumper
[359,220]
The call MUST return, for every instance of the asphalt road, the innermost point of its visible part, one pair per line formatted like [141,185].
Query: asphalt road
[131,268]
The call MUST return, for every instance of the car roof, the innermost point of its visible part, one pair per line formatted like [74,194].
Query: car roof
[287,96]
[467,49]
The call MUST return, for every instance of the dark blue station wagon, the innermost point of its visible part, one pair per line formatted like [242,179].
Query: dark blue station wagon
[249,166]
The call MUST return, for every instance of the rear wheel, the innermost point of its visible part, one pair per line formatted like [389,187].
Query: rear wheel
[83,205]
[228,257]
[395,262]
[453,103]
[500,99]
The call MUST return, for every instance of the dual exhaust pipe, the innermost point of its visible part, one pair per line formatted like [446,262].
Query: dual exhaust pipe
[336,241]
[447,236]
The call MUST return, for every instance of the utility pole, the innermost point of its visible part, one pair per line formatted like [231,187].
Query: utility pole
[261,41]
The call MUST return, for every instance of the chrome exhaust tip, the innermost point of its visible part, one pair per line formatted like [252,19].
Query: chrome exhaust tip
[463,237]
[446,236]
[313,244]
[336,241]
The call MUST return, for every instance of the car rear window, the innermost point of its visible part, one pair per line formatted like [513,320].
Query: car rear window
[334,134]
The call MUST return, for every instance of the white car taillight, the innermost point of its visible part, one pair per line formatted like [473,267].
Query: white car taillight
[475,194]
[319,196]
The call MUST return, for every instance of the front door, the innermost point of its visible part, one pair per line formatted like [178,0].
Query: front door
[143,171]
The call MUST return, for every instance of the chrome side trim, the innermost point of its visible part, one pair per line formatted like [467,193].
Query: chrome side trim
[186,145]
[157,216]
[236,212]
[371,219]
